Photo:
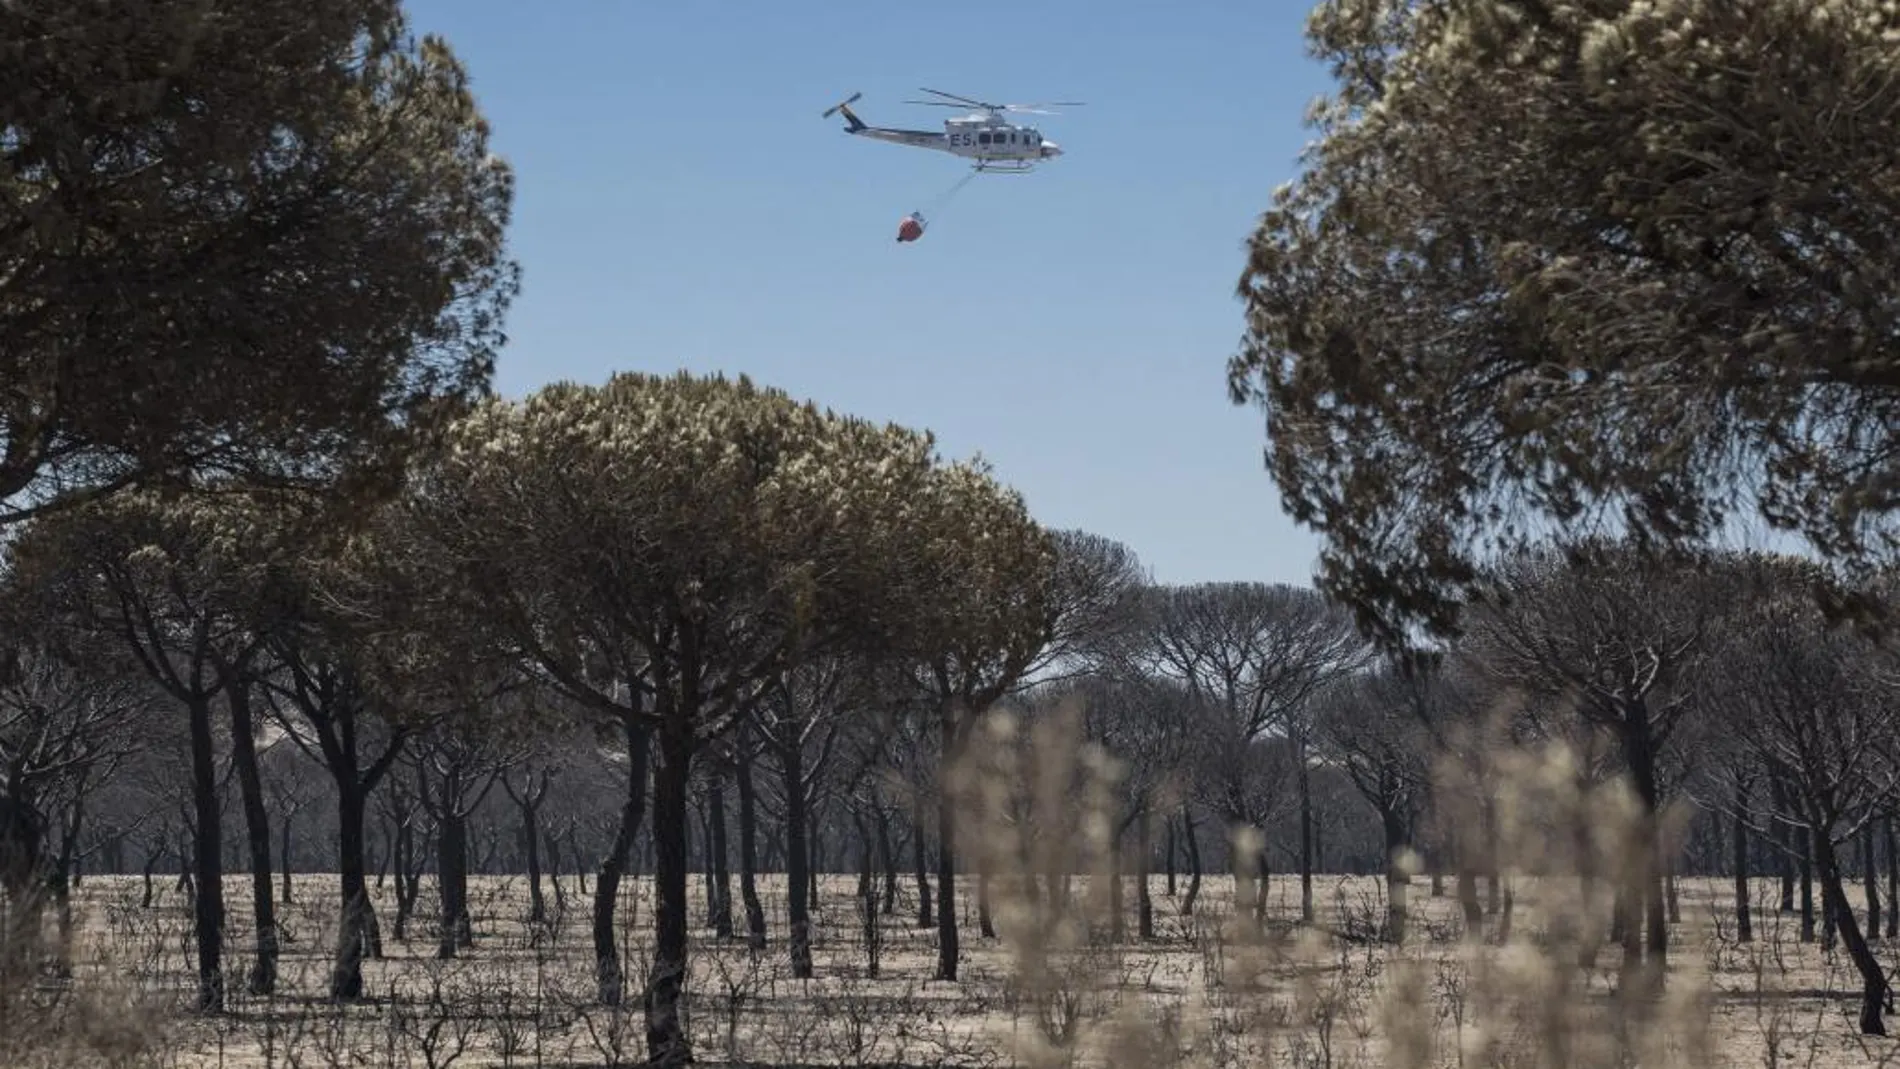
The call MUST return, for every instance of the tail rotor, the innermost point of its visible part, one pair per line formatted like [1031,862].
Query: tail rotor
[842,105]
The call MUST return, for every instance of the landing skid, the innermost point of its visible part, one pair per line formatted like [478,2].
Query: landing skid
[1000,167]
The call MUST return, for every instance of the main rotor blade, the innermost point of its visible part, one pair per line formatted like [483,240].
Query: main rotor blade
[1045,104]
[939,104]
[952,96]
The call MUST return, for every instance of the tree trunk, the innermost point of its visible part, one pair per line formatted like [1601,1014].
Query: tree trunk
[948,950]
[889,859]
[867,899]
[207,847]
[1144,899]
[1805,866]
[701,861]
[1396,880]
[814,861]
[1870,876]
[1167,853]
[985,922]
[1834,897]
[1893,878]
[151,866]
[284,833]
[354,932]
[721,869]
[1194,861]
[381,867]
[925,916]
[749,848]
[667,1044]
[402,851]
[1468,902]
[1646,891]
[65,877]
[556,868]
[1778,801]
[1306,832]
[451,866]
[531,853]
[263,978]
[798,867]
[1744,925]
[1493,879]
[609,979]
[1830,928]
[1262,883]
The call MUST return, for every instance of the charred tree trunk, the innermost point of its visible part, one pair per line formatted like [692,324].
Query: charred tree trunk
[531,854]
[1168,851]
[284,833]
[1893,877]
[948,949]
[65,876]
[749,848]
[815,861]
[1870,876]
[1646,891]
[150,867]
[1805,867]
[263,978]
[1834,895]
[451,878]
[402,852]
[867,899]
[1306,832]
[1493,879]
[667,1043]
[1396,879]
[1193,842]
[1262,884]
[925,916]
[528,804]
[707,884]
[1744,923]
[1779,831]
[333,708]
[1468,901]
[554,878]
[889,859]
[207,860]
[985,923]
[798,867]
[1144,860]
[356,933]
[610,981]
[716,846]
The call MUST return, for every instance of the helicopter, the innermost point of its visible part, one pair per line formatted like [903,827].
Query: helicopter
[997,145]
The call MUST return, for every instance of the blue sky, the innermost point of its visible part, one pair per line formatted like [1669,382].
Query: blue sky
[681,204]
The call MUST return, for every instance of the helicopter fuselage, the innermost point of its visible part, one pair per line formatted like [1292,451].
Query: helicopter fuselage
[993,143]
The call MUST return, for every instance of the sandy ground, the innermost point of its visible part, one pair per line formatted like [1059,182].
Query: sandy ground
[1197,994]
